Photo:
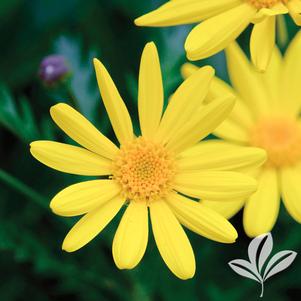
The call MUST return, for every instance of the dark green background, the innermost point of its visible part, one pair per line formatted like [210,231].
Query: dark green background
[32,265]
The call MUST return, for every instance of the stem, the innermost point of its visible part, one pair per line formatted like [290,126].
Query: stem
[262,289]
[23,188]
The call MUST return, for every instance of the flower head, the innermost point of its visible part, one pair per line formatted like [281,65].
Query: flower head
[223,21]
[266,115]
[160,171]
[53,68]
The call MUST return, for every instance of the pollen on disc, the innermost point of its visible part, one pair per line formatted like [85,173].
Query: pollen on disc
[144,169]
[281,138]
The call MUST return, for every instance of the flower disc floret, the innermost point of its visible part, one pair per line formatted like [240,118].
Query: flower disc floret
[144,169]
[281,138]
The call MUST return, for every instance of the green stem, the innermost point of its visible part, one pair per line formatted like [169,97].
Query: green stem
[23,189]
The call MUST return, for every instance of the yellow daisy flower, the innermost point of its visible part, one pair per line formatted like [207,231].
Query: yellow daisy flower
[223,22]
[266,115]
[154,171]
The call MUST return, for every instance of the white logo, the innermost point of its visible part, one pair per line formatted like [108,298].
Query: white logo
[259,250]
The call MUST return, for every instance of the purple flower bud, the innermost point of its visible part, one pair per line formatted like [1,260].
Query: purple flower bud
[53,68]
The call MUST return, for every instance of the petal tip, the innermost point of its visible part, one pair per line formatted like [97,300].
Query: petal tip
[140,21]
[67,247]
[187,275]
[96,61]
[57,107]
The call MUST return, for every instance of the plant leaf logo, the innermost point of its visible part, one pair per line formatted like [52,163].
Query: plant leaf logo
[259,251]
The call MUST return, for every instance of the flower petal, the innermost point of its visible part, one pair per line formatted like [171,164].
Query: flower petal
[236,126]
[226,209]
[188,69]
[83,197]
[291,191]
[172,241]
[91,225]
[215,185]
[261,210]
[294,7]
[70,159]
[131,237]
[277,9]
[201,220]
[116,109]
[220,155]
[185,101]
[150,92]
[271,78]
[214,34]
[184,12]
[203,122]
[246,81]
[82,131]
[262,42]
[291,74]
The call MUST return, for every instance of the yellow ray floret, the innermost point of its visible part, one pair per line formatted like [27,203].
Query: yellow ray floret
[266,116]
[222,21]
[160,171]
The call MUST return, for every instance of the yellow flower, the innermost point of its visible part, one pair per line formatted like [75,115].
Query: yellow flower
[266,115]
[157,171]
[223,22]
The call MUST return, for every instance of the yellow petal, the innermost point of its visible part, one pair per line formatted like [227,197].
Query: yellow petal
[70,159]
[276,9]
[83,197]
[261,210]
[291,74]
[226,209]
[240,116]
[214,34]
[185,101]
[82,131]
[291,191]
[172,241]
[294,7]
[203,122]
[201,220]
[232,131]
[184,12]
[188,69]
[131,237]
[215,185]
[262,42]
[117,111]
[220,155]
[150,93]
[236,126]
[271,78]
[246,81]
[217,87]
[91,225]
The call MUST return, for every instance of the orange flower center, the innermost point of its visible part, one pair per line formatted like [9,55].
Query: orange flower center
[265,3]
[144,169]
[281,138]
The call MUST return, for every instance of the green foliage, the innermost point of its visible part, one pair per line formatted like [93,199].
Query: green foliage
[32,263]
[20,121]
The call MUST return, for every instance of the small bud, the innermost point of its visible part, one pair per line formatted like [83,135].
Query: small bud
[53,68]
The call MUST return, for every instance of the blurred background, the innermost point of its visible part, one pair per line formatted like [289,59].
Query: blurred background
[32,264]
